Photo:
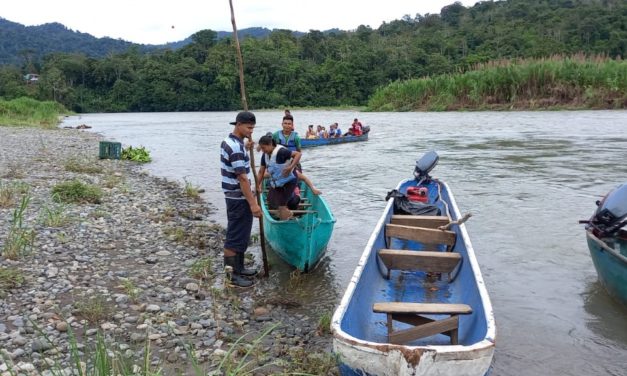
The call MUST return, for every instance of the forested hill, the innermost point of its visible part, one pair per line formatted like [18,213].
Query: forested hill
[326,69]
[19,43]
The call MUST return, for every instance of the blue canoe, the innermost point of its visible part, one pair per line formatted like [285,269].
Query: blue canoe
[607,241]
[417,303]
[302,240]
[309,143]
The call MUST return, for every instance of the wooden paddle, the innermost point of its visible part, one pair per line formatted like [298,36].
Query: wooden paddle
[262,237]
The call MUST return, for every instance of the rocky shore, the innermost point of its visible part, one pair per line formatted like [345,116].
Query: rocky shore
[136,275]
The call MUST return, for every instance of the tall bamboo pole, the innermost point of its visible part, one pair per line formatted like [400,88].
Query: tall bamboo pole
[252,152]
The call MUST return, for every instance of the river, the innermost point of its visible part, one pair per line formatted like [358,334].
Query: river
[527,178]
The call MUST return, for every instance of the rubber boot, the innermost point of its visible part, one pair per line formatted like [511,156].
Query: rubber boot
[235,278]
[242,269]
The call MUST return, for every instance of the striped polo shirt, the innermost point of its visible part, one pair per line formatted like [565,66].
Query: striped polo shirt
[234,161]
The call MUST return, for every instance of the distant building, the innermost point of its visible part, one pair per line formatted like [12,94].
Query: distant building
[31,78]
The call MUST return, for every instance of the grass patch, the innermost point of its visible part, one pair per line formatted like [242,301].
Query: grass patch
[202,269]
[304,363]
[112,180]
[30,112]
[99,213]
[93,308]
[10,191]
[54,215]
[175,233]
[191,190]
[20,239]
[324,324]
[75,191]
[131,290]
[232,366]
[83,166]
[14,171]
[10,278]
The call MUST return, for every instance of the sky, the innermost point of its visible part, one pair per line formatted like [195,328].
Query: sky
[158,21]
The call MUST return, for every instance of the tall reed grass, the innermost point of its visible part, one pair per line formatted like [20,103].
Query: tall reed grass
[557,82]
[30,112]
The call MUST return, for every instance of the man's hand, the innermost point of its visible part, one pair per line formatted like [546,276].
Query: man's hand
[256,209]
[249,145]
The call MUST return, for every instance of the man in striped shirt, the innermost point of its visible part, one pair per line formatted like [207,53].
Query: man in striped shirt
[241,204]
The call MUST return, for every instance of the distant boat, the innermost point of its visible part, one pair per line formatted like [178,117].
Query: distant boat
[312,142]
[607,242]
[302,240]
[417,303]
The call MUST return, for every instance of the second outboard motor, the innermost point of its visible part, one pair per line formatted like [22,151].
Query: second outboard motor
[425,164]
[611,214]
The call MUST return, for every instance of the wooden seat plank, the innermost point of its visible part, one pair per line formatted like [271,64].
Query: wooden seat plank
[422,308]
[435,262]
[409,313]
[428,221]
[420,234]
[445,326]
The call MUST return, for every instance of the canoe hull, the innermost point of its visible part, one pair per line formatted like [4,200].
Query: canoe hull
[308,143]
[301,242]
[360,336]
[611,267]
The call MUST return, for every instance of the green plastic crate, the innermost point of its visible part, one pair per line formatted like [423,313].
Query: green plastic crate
[110,150]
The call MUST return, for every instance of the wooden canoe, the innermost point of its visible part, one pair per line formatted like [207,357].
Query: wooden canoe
[417,303]
[302,240]
[308,143]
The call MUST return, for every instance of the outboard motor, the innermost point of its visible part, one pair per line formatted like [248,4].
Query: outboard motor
[424,165]
[611,214]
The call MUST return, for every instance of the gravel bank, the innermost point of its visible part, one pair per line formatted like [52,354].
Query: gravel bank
[142,266]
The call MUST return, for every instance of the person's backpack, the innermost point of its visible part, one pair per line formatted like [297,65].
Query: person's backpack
[402,205]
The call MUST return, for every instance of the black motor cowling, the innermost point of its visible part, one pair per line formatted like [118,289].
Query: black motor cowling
[611,214]
[425,164]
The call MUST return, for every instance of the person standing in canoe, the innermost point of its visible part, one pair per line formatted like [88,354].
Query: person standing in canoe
[287,136]
[280,162]
[241,203]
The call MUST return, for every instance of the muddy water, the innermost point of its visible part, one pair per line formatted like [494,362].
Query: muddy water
[527,177]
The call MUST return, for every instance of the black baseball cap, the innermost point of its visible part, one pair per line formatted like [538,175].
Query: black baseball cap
[245,117]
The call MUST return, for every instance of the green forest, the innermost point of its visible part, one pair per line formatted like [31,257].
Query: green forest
[338,68]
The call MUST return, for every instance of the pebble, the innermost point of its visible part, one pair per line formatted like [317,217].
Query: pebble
[62,326]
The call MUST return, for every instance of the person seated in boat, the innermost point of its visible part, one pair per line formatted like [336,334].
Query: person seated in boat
[310,134]
[325,134]
[357,128]
[280,162]
[282,186]
[334,131]
[287,136]
[319,131]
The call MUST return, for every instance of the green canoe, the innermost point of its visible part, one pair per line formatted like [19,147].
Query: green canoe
[302,240]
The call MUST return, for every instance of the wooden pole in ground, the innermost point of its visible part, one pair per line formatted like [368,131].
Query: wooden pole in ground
[262,237]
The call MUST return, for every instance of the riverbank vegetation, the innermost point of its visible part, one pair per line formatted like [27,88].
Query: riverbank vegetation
[26,111]
[332,68]
[558,82]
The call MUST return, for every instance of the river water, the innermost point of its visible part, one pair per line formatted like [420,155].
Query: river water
[527,178]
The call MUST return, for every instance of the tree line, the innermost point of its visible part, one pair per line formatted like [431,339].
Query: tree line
[324,69]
